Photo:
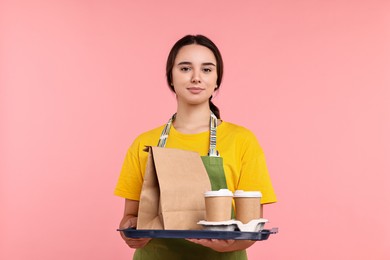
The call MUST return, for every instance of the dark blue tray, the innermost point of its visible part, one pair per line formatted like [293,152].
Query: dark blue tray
[205,234]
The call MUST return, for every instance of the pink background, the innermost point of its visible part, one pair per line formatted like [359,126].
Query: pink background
[80,79]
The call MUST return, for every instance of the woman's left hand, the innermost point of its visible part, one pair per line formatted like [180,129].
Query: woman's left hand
[218,245]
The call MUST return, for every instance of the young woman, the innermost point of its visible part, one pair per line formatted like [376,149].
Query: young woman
[194,72]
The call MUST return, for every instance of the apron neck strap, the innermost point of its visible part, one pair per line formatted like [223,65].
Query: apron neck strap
[213,134]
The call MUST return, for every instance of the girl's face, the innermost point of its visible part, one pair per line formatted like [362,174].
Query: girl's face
[194,74]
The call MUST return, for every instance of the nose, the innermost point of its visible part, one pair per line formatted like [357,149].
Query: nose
[195,77]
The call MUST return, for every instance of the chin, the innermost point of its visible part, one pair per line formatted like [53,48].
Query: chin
[193,102]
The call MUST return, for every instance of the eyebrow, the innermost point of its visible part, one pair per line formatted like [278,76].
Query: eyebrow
[189,63]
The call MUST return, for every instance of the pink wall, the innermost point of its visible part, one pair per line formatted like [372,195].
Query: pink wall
[80,79]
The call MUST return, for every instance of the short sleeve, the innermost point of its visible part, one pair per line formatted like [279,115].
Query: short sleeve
[254,173]
[130,180]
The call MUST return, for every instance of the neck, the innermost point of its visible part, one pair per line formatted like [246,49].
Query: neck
[192,119]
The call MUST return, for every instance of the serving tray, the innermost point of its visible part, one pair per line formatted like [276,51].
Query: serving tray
[200,234]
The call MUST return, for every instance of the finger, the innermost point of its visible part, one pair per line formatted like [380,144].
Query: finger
[124,237]
[133,222]
[125,224]
[192,239]
[203,242]
[137,243]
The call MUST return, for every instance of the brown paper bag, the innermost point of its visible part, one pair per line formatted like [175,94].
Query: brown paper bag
[172,193]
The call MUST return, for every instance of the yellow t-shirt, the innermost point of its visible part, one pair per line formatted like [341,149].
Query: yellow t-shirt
[243,158]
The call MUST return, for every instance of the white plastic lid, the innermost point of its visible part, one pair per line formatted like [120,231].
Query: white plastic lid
[247,194]
[218,193]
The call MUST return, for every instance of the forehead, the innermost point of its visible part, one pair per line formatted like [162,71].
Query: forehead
[195,53]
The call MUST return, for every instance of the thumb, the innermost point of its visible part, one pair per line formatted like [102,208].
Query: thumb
[133,222]
[128,223]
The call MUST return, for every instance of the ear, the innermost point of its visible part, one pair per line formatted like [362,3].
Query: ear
[172,87]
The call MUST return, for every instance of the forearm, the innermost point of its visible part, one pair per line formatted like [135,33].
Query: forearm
[130,214]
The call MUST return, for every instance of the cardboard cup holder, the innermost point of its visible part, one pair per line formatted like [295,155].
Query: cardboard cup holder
[255,225]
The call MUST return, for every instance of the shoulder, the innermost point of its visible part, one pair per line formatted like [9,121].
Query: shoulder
[148,138]
[238,136]
[236,130]
[151,134]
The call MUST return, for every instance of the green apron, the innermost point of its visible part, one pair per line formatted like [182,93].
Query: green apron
[173,249]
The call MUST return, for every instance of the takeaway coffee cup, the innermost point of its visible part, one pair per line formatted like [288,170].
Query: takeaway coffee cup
[218,205]
[247,205]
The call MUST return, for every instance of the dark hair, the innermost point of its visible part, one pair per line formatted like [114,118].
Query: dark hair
[200,40]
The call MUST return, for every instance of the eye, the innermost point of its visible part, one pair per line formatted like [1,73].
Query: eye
[207,70]
[185,69]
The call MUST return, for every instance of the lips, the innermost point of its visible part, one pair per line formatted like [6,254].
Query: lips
[195,90]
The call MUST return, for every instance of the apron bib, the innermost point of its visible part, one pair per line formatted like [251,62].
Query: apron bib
[180,248]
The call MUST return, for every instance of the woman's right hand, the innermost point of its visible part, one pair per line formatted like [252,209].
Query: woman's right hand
[131,222]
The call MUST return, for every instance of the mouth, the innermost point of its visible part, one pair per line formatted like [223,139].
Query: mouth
[195,90]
